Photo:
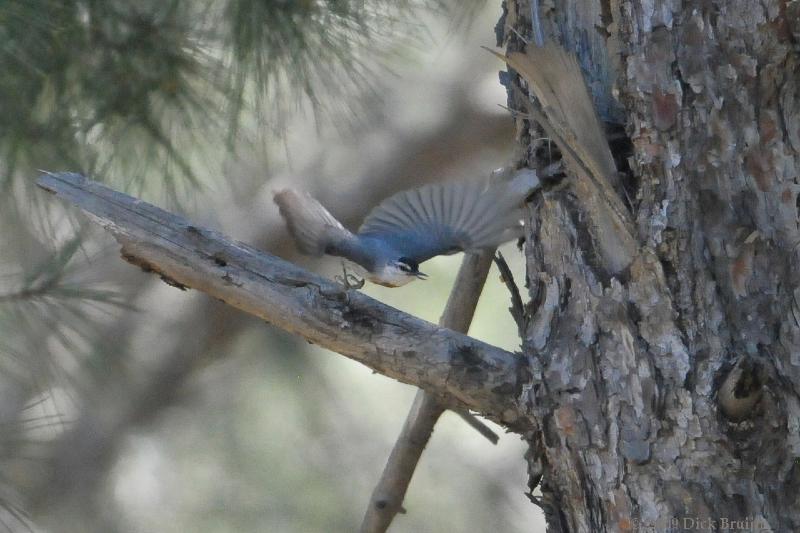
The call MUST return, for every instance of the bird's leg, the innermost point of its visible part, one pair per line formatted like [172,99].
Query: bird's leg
[350,281]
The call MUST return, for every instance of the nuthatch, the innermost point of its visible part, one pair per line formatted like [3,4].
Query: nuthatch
[412,226]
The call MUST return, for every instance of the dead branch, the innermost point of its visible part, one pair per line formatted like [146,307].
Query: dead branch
[387,498]
[470,373]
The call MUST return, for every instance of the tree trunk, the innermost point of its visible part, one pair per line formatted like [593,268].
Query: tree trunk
[666,395]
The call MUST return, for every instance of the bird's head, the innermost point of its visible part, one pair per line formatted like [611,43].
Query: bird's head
[397,273]
[409,268]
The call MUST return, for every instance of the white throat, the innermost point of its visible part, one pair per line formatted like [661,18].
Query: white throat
[390,277]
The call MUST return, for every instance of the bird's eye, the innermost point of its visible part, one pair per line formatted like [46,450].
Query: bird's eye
[404,267]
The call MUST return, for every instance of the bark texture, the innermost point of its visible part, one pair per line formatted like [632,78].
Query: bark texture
[667,394]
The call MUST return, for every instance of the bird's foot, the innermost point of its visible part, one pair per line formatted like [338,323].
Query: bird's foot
[350,281]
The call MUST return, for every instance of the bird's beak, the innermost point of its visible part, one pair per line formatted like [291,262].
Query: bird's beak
[421,275]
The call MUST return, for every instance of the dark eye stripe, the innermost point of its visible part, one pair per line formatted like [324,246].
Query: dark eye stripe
[407,264]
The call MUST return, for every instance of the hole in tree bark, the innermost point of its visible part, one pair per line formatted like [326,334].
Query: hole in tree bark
[740,390]
[797,204]
[622,149]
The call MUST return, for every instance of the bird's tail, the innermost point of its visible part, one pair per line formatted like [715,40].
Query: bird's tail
[310,224]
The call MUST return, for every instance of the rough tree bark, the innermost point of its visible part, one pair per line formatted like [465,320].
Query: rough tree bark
[666,395]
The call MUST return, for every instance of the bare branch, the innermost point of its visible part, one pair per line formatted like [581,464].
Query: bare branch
[471,373]
[387,498]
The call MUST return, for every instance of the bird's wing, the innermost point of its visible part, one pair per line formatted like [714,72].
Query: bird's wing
[314,229]
[446,218]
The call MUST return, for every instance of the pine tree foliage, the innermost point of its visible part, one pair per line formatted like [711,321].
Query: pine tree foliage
[88,82]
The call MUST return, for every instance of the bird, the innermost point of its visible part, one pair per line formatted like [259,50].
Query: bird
[412,226]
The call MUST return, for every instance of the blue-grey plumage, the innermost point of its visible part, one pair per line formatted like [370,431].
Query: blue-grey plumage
[412,226]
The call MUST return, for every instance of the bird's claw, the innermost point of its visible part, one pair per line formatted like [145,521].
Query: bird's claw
[350,281]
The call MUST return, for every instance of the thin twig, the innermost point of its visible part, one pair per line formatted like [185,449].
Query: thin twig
[477,425]
[517,308]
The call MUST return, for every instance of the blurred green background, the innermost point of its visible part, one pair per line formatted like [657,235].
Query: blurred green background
[127,405]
